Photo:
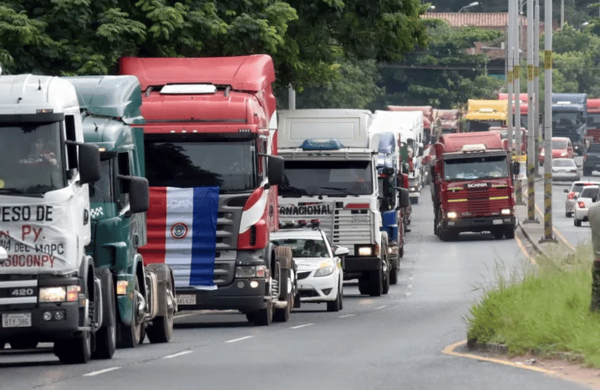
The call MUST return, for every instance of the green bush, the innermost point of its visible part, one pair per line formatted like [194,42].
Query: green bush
[541,308]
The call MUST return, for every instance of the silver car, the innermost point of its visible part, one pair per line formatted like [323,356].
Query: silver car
[573,193]
[565,169]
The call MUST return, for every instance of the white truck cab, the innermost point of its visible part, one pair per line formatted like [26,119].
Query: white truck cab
[330,174]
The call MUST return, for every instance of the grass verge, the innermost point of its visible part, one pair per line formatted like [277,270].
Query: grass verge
[541,308]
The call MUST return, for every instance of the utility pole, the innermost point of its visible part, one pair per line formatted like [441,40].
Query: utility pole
[510,74]
[517,78]
[536,83]
[531,114]
[548,123]
[291,97]
[562,14]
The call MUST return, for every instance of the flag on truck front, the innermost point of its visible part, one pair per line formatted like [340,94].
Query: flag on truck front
[182,232]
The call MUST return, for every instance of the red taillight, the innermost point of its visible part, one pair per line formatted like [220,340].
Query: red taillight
[571,195]
[584,157]
[356,206]
[581,205]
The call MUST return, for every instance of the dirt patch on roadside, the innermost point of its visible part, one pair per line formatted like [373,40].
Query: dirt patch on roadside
[569,370]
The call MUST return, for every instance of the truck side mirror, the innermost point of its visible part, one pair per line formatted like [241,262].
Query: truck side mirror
[139,194]
[516,168]
[275,166]
[3,255]
[404,197]
[89,163]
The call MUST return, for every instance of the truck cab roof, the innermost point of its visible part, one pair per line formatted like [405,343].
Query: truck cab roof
[454,143]
[34,93]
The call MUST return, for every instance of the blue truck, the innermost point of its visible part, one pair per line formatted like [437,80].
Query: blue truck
[569,118]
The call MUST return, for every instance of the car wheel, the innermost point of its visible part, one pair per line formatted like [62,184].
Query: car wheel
[577,222]
[334,306]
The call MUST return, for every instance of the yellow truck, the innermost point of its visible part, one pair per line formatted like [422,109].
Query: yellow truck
[483,114]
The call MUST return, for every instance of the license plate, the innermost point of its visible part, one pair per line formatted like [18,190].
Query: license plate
[360,218]
[186,299]
[497,222]
[22,320]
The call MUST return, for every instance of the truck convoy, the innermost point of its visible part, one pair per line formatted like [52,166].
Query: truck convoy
[144,296]
[569,118]
[330,174]
[473,186]
[51,290]
[210,145]
[523,106]
[483,114]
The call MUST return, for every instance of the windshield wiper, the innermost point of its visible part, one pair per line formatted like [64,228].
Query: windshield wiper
[295,192]
[342,190]
[18,191]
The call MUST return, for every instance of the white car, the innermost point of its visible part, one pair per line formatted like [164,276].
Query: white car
[320,276]
[587,196]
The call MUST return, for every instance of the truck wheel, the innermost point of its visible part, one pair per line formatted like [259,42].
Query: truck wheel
[414,200]
[498,234]
[385,288]
[509,233]
[106,336]
[263,317]
[576,222]
[394,276]
[130,336]
[335,306]
[161,329]
[77,350]
[587,172]
[363,286]
[283,256]
[376,283]
[282,315]
[23,344]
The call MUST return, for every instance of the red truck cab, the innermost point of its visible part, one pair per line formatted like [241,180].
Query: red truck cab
[210,145]
[473,186]
[593,121]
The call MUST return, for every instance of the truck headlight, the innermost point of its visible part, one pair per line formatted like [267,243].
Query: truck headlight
[365,251]
[251,271]
[451,214]
[53,294]
[325,269]
[505,212]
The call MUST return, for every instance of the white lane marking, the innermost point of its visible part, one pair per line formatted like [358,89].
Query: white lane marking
[94,373]
[177,354]
[302,326]
[380,307]
[347,315]
[184,315]
[409,286]
[407,295]
[240,339]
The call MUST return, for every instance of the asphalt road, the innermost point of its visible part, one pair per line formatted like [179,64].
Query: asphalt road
[390,342]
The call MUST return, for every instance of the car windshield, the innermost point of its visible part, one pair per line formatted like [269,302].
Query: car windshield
[559,144]
[312,247]
[563,163]
[589,192]
[31,161]
[229,165]
[474,168]
[332,178]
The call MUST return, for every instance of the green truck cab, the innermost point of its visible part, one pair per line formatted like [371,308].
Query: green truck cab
[118,202]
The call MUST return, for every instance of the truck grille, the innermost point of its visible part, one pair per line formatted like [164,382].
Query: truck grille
[352,227]
[478,202]
[26,289]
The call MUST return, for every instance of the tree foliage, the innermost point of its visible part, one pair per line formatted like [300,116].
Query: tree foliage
[444,74]
[307,39]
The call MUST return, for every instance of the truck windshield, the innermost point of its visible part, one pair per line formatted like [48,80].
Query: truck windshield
[332,178]
[474,168]
[101,191]
[483,125]
[564,118]
[231,165]
[30,159]
[594,120]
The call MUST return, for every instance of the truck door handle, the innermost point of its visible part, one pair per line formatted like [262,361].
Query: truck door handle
[86,216]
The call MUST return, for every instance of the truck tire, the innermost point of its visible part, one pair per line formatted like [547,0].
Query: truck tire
[414,200]
[130,336]
[576,222]
[376,283]
[337,305]
[509,233]
[262,317]
[385,287]
[587,172]
[106,336]
[394,276]
[498,234]
[363,286]
[283,256]
[22,344]
[161,329]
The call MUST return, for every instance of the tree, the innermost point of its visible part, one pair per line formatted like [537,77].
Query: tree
[306,39]
[443,74]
